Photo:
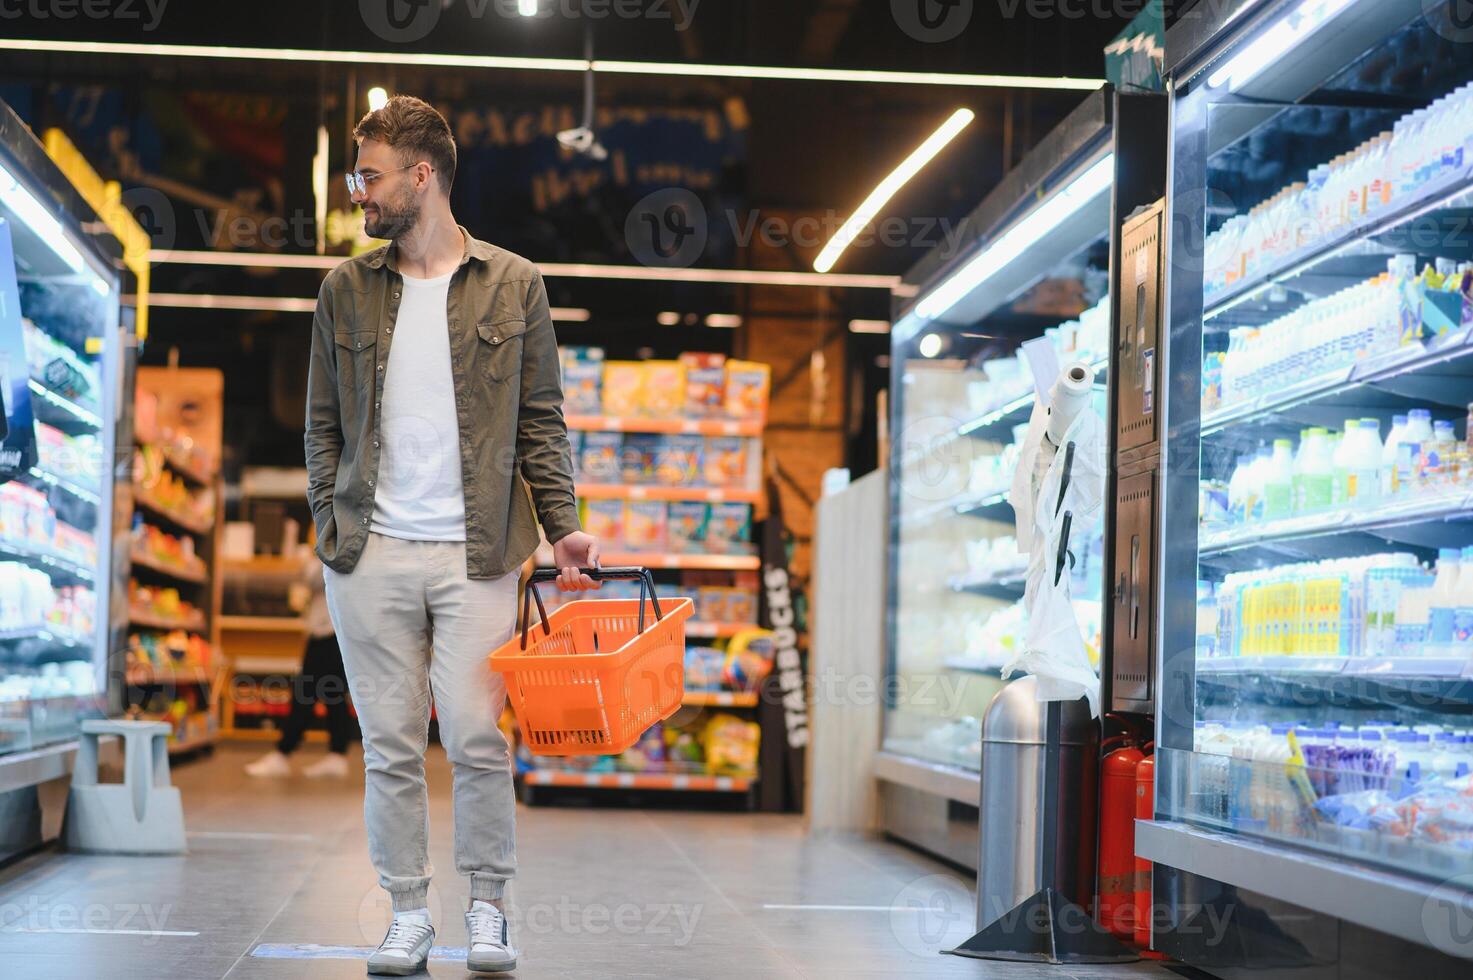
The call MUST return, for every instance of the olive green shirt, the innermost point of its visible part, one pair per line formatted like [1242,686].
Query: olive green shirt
[508,402]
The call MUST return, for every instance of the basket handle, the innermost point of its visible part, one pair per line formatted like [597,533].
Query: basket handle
[646,588]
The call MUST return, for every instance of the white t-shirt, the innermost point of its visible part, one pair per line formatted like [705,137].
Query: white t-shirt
[419,495]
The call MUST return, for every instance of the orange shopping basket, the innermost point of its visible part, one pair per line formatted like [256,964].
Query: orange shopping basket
[593,679]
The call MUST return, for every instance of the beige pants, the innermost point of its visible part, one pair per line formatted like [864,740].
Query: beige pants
[413,626]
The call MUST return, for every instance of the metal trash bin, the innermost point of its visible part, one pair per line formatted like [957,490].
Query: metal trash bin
[1012,839]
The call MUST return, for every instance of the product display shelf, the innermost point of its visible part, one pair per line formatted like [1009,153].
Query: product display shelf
[704,427]
[193,674]
[673,560]
[702,630]
[63,570]
[187,522]
[191,575]
[1413,373]
[720,699]
[56,409]
[639,491]
[147,620]
[1008,584]
[1448,197]
[86,494]
[59,639]
[1358,127]
[673,781]
[1450,516]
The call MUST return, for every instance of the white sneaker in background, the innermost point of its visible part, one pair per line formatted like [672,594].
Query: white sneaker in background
[272,765]
[488,949]
[406,948]
[334,765]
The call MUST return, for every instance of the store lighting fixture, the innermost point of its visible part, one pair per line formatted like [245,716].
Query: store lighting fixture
[1022,236]
[565,270]
[723,321]
[411,59]
[1273,44]
[898,178]
[296,304]
[869,326]
[667,318]
[378,97]
[34,215]
[527,8]
[930,345]
[570,314]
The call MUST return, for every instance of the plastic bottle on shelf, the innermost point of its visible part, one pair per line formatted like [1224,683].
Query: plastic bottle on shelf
[1278,487]
[1394,438]
[1317,472]
[1343,461]
[1463,599]
[1259,473]
[1412,608]
[1438,453]
[1363,478]
[1443,602]
[1296,473]
[1238,493]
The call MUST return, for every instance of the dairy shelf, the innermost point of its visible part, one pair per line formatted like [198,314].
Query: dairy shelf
[1398,376]
[84,494]
[58,410]
[1390,523]
[1376,681]
[1008,585]
[1449,193]
[47,561]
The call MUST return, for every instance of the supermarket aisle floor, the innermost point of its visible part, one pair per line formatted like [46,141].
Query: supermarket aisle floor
[278,871]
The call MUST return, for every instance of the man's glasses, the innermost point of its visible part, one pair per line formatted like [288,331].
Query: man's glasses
[358,182]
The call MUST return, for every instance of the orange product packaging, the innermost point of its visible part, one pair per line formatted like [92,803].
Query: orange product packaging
[623,387]
[705,384]
[664,389]
[747,385]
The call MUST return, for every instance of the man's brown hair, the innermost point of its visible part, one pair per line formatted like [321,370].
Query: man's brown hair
[414,128]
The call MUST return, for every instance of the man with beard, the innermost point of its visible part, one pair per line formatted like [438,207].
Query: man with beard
[434,406]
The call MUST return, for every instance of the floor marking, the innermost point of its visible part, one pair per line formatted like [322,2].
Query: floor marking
[247,835]
[854,908]
[316,951]
[98,932]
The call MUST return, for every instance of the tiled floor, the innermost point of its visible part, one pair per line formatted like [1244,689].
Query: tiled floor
[278,871]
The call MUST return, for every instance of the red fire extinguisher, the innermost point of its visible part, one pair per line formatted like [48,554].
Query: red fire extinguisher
[1117,865]
[1145,798]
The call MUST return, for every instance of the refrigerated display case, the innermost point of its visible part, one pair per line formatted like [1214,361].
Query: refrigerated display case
[1315,653]
[61,357]
[1034,267]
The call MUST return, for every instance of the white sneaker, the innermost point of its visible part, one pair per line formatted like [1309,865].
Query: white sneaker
[334,765]
[406,948]
[488,950]
[272,765]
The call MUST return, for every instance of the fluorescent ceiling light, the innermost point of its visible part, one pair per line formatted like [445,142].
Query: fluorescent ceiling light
[667,318]
[561,270]
[1277,41]
[1023,235]
[325,56]
[566,314]
[377,98]
[724,321]
[869,326]
[527,8]
[897,179]
[930,345]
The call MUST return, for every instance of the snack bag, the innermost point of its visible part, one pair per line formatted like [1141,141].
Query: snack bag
[623,385]
[749,659]
[705,384]
[678,463]
[637,464]
[682,746]
[728,529]
[582,387]
[741,606]
[686,530]
[731,744]
[647,753]
[747,384]
[725,461]
[575,445]
[601,457]
[604,519]
[664,389]
[644,525]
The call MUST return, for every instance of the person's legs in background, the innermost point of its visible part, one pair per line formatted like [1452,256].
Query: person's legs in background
[320,681]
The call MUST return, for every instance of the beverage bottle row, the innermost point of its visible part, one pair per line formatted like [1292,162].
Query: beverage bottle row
[1353,469]
[1389,169]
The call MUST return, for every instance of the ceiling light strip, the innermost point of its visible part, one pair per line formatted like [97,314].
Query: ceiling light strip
[887,188]
[559,270]
[503,62]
